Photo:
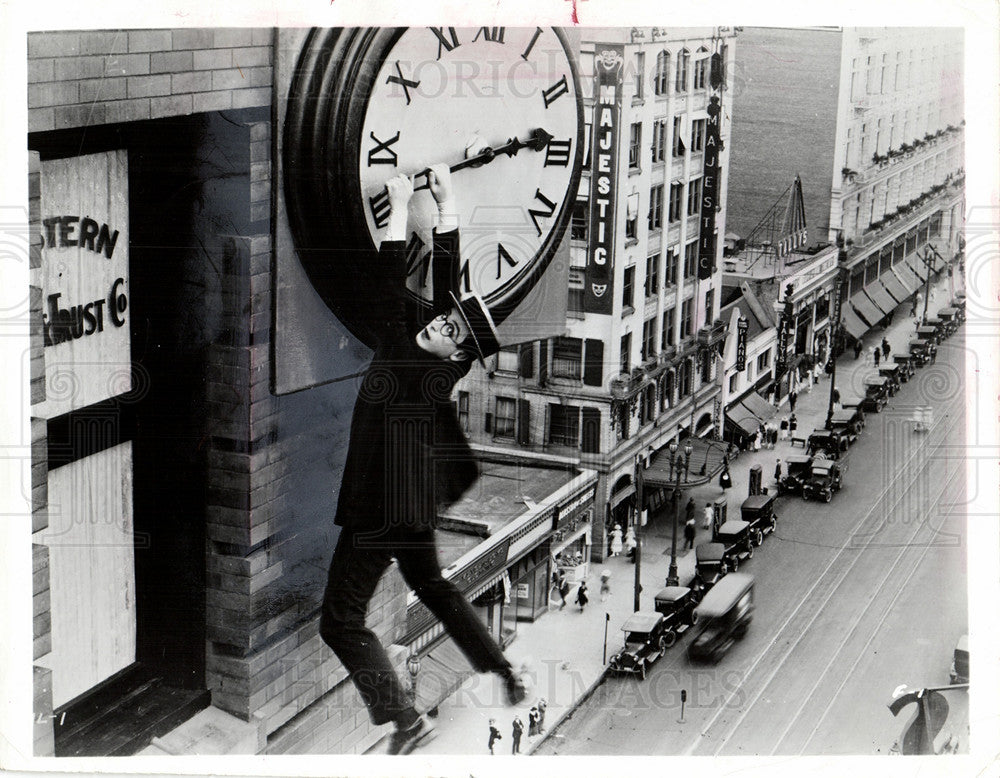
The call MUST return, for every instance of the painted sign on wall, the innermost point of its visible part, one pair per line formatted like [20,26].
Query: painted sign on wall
[84,232]
[608,66]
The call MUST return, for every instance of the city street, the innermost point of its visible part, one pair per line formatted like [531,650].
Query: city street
[852,599]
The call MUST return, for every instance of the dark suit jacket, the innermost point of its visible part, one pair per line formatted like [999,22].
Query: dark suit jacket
[407,457]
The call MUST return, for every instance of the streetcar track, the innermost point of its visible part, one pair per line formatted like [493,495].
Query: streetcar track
[829,586]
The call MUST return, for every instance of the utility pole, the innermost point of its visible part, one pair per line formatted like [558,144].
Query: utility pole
[639,506]
[834,332]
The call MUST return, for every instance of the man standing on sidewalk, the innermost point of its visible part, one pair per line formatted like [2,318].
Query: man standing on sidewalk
[494,734]
[689,533]
[517,727]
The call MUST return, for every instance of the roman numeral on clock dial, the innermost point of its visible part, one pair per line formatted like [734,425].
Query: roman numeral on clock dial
[554,92]
[504,256]
[383,147]
[557,153]
[535,215]
[446,40]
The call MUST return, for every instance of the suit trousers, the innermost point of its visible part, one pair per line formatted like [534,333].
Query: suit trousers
[359,561]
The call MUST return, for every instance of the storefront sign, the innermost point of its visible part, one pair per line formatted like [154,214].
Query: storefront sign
[608,67]
[710,190]
[85,302]
[742,325]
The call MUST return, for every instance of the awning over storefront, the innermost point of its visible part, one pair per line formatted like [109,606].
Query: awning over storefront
[906,277]
[442,670]
[758,406]
[622,494]
[894,287]
[850,321]
[739,416]
[882,299]
[706,461]
[918,267]
[867,309]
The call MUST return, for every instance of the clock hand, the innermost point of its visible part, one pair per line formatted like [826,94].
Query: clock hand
[538,140]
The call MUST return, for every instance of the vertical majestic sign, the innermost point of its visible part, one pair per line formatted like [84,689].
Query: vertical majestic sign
[742,325]
[608,67]
[85,250]
[710,190]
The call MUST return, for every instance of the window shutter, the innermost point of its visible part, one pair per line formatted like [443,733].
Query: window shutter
[591,431]
[543,361]
[527,360]
[593,362]
[523,423]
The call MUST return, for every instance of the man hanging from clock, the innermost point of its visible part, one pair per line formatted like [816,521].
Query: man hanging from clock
[406,460]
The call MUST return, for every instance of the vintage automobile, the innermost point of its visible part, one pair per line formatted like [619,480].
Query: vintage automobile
[850,420]
[906,366]
[796,472]
[833,443]
[710,565]
[929,333]
[758,511]
[937,323]
[958,303]
[922,351]
[738,539]
[876,394]
[960,662]
[825,479]
[892,374]
[723,617]
[949,316]
[676,604]
[645,642]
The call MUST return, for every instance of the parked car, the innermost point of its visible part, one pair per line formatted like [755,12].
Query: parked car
[938,324]
[676,604]
[922,351]
[891,373]
[825,479]
[758,511]
[876,394]
[796,472]
[710,565]
[960,662]
[949,316]
[929,333]
[723,617]
[958,303]
[850,420]
[736,536]
[906,366]
[645,642]
[833,443]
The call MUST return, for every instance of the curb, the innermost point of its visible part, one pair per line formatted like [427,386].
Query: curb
[568,712]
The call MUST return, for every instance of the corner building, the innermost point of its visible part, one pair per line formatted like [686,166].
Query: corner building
[637,365]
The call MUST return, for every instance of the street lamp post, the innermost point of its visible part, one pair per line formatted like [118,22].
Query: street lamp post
[413,668]
[672,577]
[687,460]
[927,290]
[832,350]
[639,505]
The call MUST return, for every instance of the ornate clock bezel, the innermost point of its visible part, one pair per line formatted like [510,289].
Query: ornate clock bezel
[327,102]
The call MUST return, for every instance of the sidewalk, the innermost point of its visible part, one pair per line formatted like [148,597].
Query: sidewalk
[565,646]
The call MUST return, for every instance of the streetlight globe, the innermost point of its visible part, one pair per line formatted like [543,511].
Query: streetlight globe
[673,446]
[687,449]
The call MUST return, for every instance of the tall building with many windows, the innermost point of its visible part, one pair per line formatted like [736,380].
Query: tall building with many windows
[636,368]
[872,120]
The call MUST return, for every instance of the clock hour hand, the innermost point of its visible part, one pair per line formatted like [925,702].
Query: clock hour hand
[537,141]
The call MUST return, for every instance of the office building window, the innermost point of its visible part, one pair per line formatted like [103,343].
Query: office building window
[763,362]
[667,335]
[463,410]
[656,207]
[648,338]
[574,303]
[700,69]
[625,360]
[567,358]
[505,420]
[698,135]
[578,225]
[662,73]
[690,259]
[680,83]
[564,425]
[640,74]
[686,321]
[652,275]
[678,149]
[676,193]
[686,379]
[659,148]
[670,271]
[628,287]
[709,302]
[634,139]
[507,359]
[732,382]
[694,197]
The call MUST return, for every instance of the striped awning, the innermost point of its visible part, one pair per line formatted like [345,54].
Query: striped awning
[867,309]
[882,299]
[851,322]
[758,406]
[917,266]
[906,277]
[894,287]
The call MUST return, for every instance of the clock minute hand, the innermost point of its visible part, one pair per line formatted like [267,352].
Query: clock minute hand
[538,140]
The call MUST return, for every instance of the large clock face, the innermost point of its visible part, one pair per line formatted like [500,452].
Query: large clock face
[366,105]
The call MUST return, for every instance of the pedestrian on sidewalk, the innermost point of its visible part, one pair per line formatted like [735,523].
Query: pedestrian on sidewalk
[689,533]
[629,544]
[793,424]
[777,471]
[784,429]
[542,705]
[725,480]
[689,510]
[875,355]
[857,349]
[836,399]
[562,586]
[916,304]
[792,397]
[533,721]
[772,436]
[756,441]
[517,727]
[885,349]
[605,585]
[709,516]
[616,540]
[494,734]
[581,595]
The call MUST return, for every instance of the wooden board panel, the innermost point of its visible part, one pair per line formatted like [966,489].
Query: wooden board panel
[92,571]
[85,250]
